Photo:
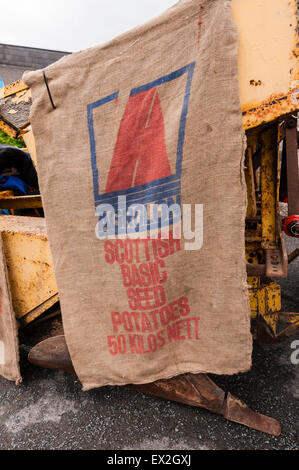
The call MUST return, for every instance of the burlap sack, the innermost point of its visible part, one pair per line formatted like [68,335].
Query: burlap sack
[154,116]
[9,349]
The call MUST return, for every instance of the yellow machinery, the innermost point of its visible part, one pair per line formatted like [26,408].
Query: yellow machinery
[269,91]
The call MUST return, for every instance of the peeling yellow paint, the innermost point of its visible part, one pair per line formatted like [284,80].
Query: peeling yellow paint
[268,58]
[24,96]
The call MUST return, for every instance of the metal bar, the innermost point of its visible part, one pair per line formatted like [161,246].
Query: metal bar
[256,269]
[37,311]
[269,140]
[292,166]
[293,255]
[21,202]
[250,183]
[275,264]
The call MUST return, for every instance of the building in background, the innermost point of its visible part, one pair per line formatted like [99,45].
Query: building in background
[14,60]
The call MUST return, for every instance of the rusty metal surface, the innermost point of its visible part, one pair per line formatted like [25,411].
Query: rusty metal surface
[292,166]
[195,390]
[265,248]
[250,183]
[192,389]
[268,59]
[276,263]
[52,353]
[265,300]
[269,158]
[271,109]
[256,269]
[238,412]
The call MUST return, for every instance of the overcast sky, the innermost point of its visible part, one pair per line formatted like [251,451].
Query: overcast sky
[72,25]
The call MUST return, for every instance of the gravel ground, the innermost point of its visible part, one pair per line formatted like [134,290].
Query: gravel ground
[49,410]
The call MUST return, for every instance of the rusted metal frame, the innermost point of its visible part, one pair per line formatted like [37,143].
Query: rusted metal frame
[272,241]
[292,165]
[269,206]
[250,183]
[283,183]
[253,218]
[270,236]
[282,245]
[277,258]
[276,261]
[256,269]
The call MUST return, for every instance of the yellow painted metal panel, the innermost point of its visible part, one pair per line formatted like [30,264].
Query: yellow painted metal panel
[29,262]
[273,297]
[268,58]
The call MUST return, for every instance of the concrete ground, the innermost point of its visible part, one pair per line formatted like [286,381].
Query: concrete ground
[49,410]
